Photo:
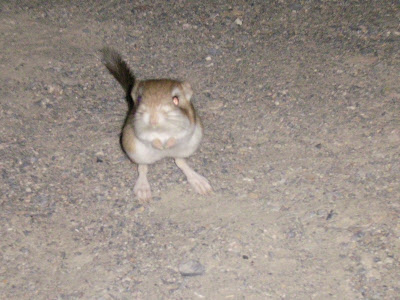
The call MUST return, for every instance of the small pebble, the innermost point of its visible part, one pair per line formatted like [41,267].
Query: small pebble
[191,268]
[238,22]
[330,215]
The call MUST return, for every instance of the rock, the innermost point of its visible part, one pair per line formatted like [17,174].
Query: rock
[238,22]
[191,268]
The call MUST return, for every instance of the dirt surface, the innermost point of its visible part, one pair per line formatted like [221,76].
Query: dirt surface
[300,101]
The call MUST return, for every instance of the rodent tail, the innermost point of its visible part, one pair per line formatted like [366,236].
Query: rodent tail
[120,70]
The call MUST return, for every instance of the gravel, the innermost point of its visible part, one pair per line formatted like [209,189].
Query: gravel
[300,104]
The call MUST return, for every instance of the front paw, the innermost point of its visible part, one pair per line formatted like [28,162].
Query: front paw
[170,143]
[157,144]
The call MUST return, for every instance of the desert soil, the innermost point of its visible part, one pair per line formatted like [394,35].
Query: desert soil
[300,102]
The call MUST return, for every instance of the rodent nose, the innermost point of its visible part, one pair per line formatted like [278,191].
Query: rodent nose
[153,119]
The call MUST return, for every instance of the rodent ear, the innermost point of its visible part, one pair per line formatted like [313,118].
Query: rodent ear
[187,90]
[137,94]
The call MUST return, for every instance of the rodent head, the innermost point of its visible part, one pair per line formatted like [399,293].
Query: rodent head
[163,105]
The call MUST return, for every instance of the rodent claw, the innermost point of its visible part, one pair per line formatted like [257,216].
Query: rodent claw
[200,184]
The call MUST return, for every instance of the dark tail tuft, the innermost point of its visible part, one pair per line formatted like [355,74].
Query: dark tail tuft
[120,70]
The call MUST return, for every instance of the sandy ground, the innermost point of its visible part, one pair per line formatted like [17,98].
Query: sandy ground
[300,101]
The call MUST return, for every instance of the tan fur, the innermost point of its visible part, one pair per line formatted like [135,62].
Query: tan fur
[155,126]
[157,92]
[128,138]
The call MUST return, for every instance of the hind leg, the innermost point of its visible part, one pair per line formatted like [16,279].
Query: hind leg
[142,186]
[198,182]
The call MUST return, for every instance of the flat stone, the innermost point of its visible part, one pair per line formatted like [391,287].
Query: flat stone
[191,268]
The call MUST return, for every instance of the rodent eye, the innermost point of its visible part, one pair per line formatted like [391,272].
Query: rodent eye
[175,99]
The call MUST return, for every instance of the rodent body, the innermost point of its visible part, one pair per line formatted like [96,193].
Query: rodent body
[143,151]
[161,122]
[160,129]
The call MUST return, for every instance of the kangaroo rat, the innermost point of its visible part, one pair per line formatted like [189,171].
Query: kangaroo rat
[161,122]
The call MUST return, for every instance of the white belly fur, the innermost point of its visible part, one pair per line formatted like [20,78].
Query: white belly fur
[145,153]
